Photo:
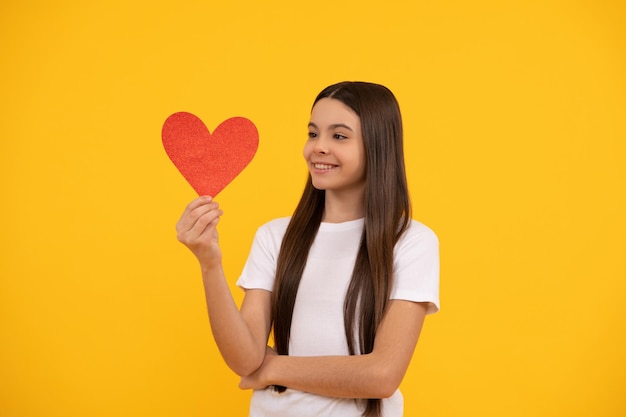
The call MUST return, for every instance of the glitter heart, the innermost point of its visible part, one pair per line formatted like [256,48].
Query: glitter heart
[209,161]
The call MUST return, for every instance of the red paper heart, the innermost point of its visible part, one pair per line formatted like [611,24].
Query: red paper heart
[209,162]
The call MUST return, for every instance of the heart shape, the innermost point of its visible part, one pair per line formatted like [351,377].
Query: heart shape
[209,162]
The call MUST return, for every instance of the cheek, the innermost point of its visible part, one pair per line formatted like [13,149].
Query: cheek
[362,163]
[307,150]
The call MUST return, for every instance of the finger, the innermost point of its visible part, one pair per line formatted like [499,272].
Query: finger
[192,227]
[204,223]
[197,202]
[193,211]
[200,213]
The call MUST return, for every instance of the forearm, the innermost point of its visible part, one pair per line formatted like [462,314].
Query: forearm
[374,375]
[241,335]
[359,376]
[242,350]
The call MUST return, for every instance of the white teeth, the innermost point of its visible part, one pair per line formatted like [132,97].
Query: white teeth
[323,166]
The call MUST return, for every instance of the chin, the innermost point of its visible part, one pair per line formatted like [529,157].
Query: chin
[319,185]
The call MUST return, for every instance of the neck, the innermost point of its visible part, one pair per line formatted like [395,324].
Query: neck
[343,207]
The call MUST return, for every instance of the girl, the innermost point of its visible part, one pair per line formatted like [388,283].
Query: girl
[345,283]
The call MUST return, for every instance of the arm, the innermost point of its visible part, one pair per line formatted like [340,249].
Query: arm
[241,335]
[374,375]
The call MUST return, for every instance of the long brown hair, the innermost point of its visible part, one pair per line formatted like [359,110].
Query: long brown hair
[387,215]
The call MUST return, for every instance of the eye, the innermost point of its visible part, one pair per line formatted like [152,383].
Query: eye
[312,135]
[339,136]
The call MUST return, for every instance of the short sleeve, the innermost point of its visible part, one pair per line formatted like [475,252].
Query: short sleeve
[416,267]
[260,267]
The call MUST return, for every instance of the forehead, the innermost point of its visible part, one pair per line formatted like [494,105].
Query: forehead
[328,111]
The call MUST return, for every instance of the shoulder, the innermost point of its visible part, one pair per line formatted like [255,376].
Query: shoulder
[416,266]
[418,234]
[278,225]
[273,230]
[260,268]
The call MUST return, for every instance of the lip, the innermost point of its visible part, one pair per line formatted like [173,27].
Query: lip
[322,167]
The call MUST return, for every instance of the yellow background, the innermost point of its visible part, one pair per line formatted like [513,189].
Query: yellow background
[515,119]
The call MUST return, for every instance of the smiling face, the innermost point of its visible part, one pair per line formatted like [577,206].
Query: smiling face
[334,152]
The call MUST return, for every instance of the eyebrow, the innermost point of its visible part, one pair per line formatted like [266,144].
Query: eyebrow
[333,126]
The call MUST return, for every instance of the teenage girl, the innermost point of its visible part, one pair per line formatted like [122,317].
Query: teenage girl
[344,283]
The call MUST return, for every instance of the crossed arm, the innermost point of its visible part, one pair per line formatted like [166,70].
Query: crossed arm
[241,334]
[374,375]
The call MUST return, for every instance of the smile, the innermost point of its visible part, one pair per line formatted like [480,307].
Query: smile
[324,166]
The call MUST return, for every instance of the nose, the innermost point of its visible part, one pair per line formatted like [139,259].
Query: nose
[321,145]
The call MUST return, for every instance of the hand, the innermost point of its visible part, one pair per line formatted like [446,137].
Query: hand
[197,229]
[258,379]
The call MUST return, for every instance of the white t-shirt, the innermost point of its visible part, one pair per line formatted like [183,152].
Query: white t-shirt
[317,327]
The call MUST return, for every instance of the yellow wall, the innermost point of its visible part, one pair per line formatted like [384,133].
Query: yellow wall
[515,118]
